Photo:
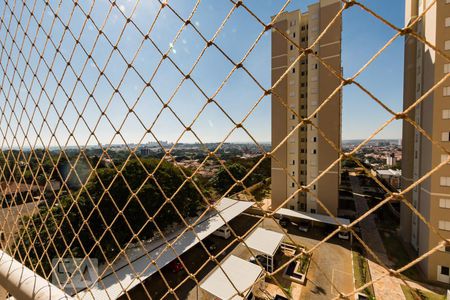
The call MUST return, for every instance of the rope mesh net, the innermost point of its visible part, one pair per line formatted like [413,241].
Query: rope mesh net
[61,89]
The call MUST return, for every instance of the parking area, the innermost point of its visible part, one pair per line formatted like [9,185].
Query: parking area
[196,261]
[331,264]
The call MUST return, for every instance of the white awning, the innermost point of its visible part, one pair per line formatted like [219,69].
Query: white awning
[241,273]
[264,241]
[124,276]
[312,217]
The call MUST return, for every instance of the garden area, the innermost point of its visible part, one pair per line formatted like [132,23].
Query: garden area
[417,294]
[362,272]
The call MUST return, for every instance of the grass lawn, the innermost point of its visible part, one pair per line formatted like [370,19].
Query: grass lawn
[362,273]
[420,294]
[398,255]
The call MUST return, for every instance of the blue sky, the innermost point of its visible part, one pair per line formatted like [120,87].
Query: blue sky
[363,35]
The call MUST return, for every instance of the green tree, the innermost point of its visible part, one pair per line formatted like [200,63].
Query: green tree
[132,198]
[222,181]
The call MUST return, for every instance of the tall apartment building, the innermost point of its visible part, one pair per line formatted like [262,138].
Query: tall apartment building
[306,154]
[423,68]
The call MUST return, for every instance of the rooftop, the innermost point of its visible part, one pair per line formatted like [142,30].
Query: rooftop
[124,276]
[264,241]
[235,275]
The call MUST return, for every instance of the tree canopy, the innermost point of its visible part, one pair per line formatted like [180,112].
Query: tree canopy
[125,204]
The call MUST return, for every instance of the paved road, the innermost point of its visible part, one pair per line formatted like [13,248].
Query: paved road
[386,288]
[369,230]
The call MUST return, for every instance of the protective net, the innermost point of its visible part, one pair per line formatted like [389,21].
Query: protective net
[90,189]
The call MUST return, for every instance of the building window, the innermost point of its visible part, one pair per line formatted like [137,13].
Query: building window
[293,70]
[314,139]
[293,173]
[447,45]
[444,270]
[447,22]
[293,117]
[293,34]
[302,95]
[446,68]
[444,225]
[314,151]
[292,184]
[445,181]
[445,136]
[445,248]
[293,162]
[302,206]
[314,187]
[446,114]
[312,210]
[444,203]
[446,90]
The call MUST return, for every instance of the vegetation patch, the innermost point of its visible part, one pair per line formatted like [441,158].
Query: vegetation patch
[416,294]
[132,208]
[398,254]
[362,273]
[303,264]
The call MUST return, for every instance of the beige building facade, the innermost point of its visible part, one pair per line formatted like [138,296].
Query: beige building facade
[306,153]
[422,70]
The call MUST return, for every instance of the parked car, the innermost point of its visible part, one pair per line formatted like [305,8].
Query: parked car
[210,245]
[284,222]
[223,231]
[361,296]
[345,235]
[304,226]
[176,266]
[329,228]
[261,259]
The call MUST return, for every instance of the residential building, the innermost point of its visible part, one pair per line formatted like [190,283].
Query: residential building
[391,160]
[422,70]
[306,154]
[391,176]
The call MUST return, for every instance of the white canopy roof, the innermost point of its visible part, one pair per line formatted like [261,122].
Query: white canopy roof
[312,217]
[124,276]
[241,273]
[389,172]
[264,241]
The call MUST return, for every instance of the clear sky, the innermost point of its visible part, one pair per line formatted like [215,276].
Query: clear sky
[363,35]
